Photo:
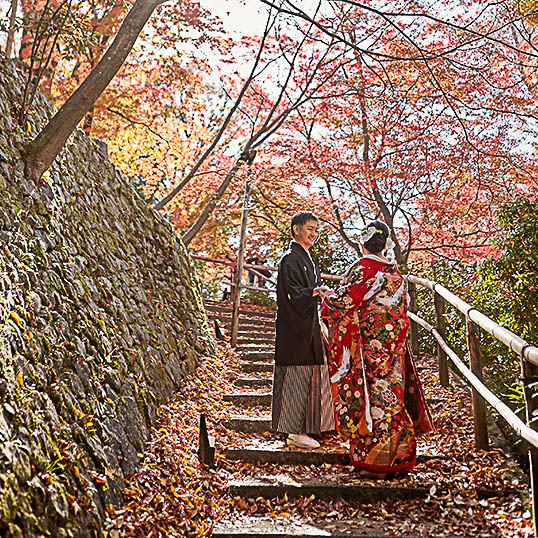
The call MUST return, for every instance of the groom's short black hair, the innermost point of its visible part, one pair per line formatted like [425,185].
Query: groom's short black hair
[301,218]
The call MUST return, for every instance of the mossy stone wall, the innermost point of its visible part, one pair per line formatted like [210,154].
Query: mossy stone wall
[100,318]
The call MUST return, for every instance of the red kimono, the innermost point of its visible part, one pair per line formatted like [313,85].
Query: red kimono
[379,404]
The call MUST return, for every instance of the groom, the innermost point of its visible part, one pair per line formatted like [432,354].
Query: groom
[301,389]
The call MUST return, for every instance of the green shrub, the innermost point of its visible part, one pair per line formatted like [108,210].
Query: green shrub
[259,298]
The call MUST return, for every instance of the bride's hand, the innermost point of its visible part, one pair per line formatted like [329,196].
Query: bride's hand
[321,291]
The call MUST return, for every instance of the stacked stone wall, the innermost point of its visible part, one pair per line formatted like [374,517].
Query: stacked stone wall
[100,318]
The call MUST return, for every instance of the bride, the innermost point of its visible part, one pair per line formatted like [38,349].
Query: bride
[378,400]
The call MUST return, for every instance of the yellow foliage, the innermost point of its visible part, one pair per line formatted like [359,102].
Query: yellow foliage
[15,317]
[528,9]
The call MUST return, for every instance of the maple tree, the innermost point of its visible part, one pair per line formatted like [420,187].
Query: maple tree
[166,123]
[158,110]
[473,96]
[306,65]
[55,32]
[62,44]
[433,161]
[42,150]
[426,71]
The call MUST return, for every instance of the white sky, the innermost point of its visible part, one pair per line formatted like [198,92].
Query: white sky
[242,16]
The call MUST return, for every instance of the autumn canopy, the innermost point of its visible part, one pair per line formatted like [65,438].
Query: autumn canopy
[420,116]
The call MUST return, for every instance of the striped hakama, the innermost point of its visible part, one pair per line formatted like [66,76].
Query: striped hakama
[302,399]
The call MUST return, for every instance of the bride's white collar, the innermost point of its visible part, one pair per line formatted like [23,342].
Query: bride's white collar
[381,259]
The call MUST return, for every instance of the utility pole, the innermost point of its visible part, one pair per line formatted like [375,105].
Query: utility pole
[248,157]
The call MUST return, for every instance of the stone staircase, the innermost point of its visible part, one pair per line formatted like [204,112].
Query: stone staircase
[254,392]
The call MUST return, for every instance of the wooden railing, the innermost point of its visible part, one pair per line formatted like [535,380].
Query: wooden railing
[253,268]
[475,321]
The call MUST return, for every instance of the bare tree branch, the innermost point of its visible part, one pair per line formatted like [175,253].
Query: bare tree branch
[174,192]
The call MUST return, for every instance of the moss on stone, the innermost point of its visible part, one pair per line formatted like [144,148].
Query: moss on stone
[97,339]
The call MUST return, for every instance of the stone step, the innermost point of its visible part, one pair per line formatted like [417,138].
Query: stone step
[255,347]
[211,308]
[303,457]
[256,332]
[251,341]
[251,367]
[254,399]
[269,489]
[254,382]
[286,457]
[281,485]
[248,424]
[267,527]
[244,324]
[259,355]
[267,352]
[257,322]
[249,399]
[256,356]
[254,314]
[216,309]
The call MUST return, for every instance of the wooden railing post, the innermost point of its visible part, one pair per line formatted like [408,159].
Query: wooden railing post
[413,329]
[239,266]
[479,405]
[441,329]
[530,378]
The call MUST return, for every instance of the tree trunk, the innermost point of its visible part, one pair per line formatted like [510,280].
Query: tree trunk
[370,174]
[41,152]
[389,221]
[210,207]
[88,121]
[247,157]
[11,32]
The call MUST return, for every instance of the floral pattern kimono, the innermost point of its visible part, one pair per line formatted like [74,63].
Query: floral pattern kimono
[379,404]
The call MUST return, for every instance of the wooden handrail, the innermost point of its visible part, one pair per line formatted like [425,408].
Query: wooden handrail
[261,267]
[210,259]
[325,276]
[529,368]
[253,269]
[258,288]
[508,338]
[513,420]
[512,341]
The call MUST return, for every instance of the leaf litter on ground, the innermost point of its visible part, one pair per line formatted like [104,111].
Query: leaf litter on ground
[173,494]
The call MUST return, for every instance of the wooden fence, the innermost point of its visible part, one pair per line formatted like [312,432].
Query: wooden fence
[476,321]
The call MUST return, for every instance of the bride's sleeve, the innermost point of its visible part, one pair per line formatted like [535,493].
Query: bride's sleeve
[344,298]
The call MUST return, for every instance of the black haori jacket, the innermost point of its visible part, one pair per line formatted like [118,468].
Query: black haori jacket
[298,335]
